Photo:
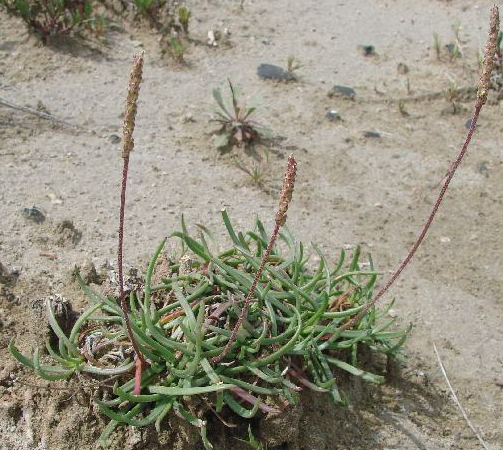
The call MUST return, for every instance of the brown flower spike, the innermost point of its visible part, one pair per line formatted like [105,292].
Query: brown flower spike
[284,201]
[287,191]
[490,51]
[132,104]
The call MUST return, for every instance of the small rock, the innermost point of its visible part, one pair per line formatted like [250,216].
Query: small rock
[67,233]
[265,41]
[342,91]
[133,281]
[271,72]
[34,213]
[333,115]
[89,273]
[372,134]
[189,117]
[8,276]
[54,199]
[402,68]
[468,124]
[114,139]
[368,50]
[445,239]
[211,39]
[483,168]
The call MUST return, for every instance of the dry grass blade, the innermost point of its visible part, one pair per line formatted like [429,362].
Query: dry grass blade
[456,400]
[34,112]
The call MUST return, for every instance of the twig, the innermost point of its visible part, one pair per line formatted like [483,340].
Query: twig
[482,91]
[285,198]
[34,112]
[455,398]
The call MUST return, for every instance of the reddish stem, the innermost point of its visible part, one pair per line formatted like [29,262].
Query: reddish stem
[249,297]
[140,359]
[426,226]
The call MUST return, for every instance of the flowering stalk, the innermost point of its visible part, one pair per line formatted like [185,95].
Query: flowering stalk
[284,201]
[129,124]
[482,91]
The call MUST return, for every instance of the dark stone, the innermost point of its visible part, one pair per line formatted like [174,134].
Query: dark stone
[468,124]
[114,139]
[372,134]
[271,72]
[402,68]
[483,168]
[333,115]
[343,91]
[368,50]
[34,214]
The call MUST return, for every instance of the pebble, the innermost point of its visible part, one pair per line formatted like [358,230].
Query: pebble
[114,139]
[34,213]
[483,168]
[468,124]
[445,239]
[402,68]
[343,91]
[54,199]
[272,72]
[89,273]
[189,117]
[211,39]
[372,134]
[265,41]
[368,50]
[333,115]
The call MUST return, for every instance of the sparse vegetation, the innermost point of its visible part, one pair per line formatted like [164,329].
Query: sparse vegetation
[48,18]
[401,108]
[437,45]
[177,48]
[292,65]
[258,171]
[236,125]
[184,15]
[454,51]
[150,8]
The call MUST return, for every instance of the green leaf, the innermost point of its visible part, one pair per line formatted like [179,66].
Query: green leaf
[177,391]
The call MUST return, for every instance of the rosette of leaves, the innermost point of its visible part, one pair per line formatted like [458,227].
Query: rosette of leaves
[51,17]
[235,121]
[291,338]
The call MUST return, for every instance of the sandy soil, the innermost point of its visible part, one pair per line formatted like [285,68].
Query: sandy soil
[351,189]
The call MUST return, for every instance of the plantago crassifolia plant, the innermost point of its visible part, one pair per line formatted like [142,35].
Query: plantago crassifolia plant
[245,328]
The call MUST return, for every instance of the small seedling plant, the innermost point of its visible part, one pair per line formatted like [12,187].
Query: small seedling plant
[150,8]
[48,18]
[235,121]
[244,328]
[292,65]
[184,15]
